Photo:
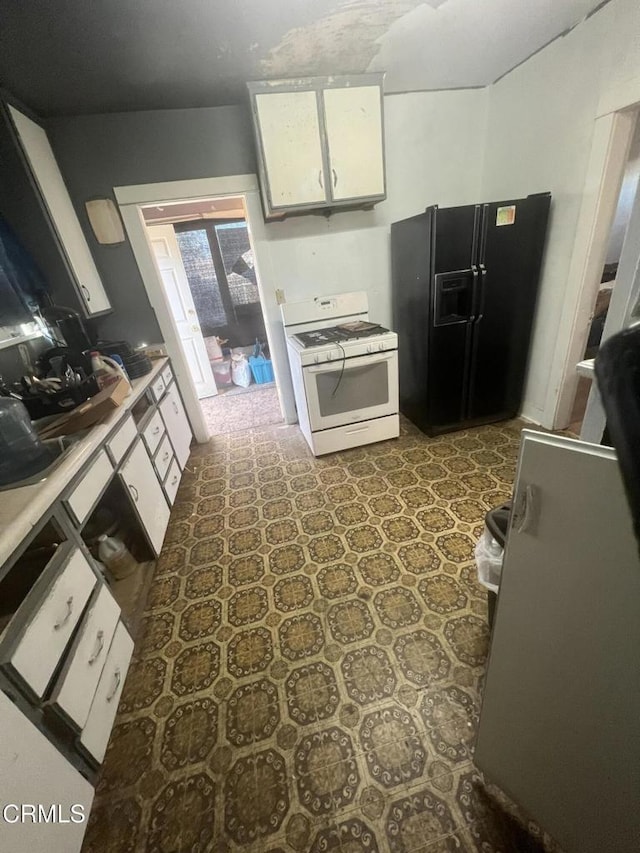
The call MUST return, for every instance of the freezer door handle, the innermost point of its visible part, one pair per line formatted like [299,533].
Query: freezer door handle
[482,291]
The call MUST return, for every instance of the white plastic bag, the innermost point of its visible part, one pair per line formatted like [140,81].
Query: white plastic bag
[240,371]
[489,554]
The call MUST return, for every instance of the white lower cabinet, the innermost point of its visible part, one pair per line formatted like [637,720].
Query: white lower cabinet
[42,641]
[78,681]
[32,771]
[139,478]
[177,425]
[95,735]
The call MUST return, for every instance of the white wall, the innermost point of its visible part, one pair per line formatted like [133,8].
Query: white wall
[433,155]
[625,200]
[540,127]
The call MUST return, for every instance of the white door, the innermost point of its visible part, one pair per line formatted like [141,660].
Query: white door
[353,118]
[140,480]
[44,166]
[559,724]
[290,138]
[33,773]
[176,424]
[174,278]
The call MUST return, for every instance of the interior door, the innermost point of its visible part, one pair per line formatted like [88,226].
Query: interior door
[167,254]
[290,140]
[559,724]
[353,121]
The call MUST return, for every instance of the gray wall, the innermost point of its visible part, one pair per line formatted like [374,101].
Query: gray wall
[99,152]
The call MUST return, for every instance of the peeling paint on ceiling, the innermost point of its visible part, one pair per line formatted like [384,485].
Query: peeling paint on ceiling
[72,57]
[345,39]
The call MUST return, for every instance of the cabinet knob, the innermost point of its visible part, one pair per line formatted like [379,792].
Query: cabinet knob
[134,492]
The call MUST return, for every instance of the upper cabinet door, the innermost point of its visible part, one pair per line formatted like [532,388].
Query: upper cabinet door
[289,130]
[353,118]
[46,173]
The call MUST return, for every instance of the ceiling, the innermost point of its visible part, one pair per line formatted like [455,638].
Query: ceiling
[74,57]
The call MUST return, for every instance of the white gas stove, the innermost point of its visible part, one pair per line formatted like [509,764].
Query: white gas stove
[344,370]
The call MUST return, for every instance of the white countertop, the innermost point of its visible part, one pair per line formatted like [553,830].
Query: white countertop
[21,509]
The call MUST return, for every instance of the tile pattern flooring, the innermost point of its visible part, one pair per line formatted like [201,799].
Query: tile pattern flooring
[235,412]
[309,672]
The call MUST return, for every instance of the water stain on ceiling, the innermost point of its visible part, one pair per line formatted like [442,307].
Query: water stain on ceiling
[345,39]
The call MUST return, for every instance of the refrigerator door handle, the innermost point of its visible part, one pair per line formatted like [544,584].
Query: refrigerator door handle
[483,285]
[474,273]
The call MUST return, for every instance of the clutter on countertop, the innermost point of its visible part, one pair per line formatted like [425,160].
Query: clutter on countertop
[90,412]
[107,371]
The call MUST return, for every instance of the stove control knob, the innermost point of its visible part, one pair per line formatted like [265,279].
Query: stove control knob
[329,356]
[370,348]
[381,347]
[316,358]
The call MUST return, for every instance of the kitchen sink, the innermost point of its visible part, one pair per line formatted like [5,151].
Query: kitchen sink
[59,448]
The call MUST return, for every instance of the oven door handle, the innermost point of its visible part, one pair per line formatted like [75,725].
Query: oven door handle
[337,364]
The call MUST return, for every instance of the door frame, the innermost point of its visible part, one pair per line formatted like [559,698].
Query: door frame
[131,200]
[610,144]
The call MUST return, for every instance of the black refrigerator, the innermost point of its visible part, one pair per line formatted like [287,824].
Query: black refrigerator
[465,284]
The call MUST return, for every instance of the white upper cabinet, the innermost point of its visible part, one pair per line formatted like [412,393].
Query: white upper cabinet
[319,142]
[290,136]
[353,118]
[48,178]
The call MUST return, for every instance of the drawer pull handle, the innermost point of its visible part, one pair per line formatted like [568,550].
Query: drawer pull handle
[62,622]
[165,456]
[335,178]
[98,647]
[155,431]
[175,407]
[85,292]
[117,677]
[134,492]
[174,479]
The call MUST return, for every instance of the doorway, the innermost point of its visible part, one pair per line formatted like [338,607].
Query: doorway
[203,252]
[604,290]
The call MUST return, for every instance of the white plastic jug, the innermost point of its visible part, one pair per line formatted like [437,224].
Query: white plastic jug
[106,370]
[116,556]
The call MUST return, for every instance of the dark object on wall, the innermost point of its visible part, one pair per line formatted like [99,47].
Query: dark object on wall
[465,284]
[21,284]
[617,367]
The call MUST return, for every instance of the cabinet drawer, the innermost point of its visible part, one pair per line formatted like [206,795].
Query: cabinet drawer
[44,639]
[122,440]
[95,734]
[152,433]
[81,500]
[77,684]
[162,459]
[175,420]
[157,388]
[167,376]
[173,481]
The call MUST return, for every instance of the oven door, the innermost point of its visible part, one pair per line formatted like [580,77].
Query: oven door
[356,389]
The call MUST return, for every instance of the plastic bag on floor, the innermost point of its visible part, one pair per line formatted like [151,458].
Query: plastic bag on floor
[240,371]
[489,555]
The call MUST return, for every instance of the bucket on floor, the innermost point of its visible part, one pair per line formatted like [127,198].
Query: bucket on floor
[222,372]
[261,368]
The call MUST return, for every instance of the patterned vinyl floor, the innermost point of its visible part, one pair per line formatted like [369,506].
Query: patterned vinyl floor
[309,671]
